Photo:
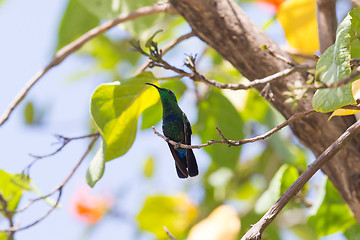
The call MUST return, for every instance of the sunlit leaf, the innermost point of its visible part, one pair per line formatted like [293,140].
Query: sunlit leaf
[222,223]
[3,235]
[333,214]
[176,213]
[281,181]
[153,114]
[149,167]
[115,108]
[76,21]
[217,110]
[334,65]
[11,188]
[298,18]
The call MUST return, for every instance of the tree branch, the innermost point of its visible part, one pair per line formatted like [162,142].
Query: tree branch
[327,23]
[238,142]
[57,189]
[258,228]
[77,44]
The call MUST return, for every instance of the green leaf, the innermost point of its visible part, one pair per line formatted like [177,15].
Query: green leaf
[11,188]
[353,232]
[256,107]
[150,41]
[29,113]
[3,235]
[76,21]
[304,231]
[108,52]
[333,215]
[115,108]
[153,114]
[176,213]
[96,168]
[217,110]
[149,167]
[109,9]
[281,181]
[334,65]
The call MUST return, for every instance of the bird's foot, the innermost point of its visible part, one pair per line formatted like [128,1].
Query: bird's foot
[177,145]
[167,140]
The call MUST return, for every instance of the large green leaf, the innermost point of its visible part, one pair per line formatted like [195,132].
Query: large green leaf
[281,181]
[217,110]
[353,233]
[153,114]
[333,214]
[176,213]
[3,235]
[334,65]
[11,188]
[108,9]
[76,21]
[115,108]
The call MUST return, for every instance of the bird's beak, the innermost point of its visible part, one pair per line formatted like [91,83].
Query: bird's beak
[158,88]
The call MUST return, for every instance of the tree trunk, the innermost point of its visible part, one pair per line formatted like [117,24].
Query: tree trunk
[225,27]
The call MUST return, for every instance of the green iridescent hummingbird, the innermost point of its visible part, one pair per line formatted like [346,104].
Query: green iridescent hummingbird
[177,127]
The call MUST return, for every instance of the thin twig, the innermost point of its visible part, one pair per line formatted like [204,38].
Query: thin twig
[77,44]
[195,76]
[64,141]
[57,189]
[238,142]
[8,215]
[257,229]
[170,235]
[166,48]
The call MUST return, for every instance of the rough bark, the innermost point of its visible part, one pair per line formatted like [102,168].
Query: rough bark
[225,27]
[327,23]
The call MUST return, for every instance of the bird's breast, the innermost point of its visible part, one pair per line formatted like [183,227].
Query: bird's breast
[173,128]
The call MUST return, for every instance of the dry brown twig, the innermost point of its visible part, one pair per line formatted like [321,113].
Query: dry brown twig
[59,188]
[77,44]
[238,142]
[257,229]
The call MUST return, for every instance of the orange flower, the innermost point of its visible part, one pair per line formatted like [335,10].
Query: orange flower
[276,3]
[89,208]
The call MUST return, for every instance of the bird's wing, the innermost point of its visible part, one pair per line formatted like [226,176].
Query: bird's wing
[190,157]
[180,164]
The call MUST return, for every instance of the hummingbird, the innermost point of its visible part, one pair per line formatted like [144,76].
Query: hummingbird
[177,127]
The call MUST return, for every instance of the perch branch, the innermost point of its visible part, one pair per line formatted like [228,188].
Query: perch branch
[239,142]
[257,229]
[77,44]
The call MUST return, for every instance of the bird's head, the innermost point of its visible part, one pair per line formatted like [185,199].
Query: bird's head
[166,95]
